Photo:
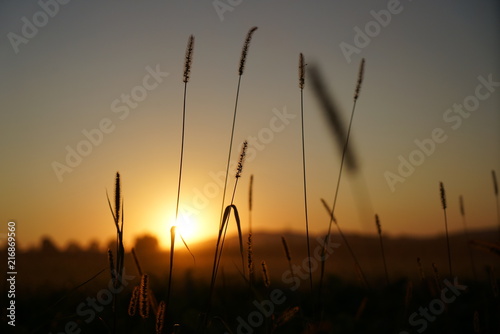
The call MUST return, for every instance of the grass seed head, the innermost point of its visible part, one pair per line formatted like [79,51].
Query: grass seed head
[134,301]
[189,59]
[287,315]
[495,184]
[245,50]
[117,196]
[443,195]
[239,169]
[379,227]
[265,274]
[250,258]
[285,247]
[360,79]
[160,317]
[144,297]
[301,71]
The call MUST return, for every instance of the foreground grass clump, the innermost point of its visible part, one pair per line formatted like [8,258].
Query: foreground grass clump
[348,308]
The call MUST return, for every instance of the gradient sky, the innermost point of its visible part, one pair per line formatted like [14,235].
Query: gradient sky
[67,77]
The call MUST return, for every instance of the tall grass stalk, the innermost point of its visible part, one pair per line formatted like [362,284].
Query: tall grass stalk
[118,217]
[241,68]
[495,191]
[346,143]
[244,53]
[265,275]
[117,271]
[251,267]
[227,212]
[443,204]
[408,297]
[379,231]
[437,279]
[222,234]
[250,204]
[467,236]
[171,265]
[493,280]
[426,282]
[137,263]
[187,72]
[356,262]
[421,271]
[112,268]
[304,178]
[288,256]
[342,160]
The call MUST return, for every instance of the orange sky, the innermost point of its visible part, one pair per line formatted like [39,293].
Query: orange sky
[74,77]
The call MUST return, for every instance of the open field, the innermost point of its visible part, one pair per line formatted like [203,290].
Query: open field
[207,149]
[47,298]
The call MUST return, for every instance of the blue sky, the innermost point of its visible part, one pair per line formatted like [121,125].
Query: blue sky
[64,78]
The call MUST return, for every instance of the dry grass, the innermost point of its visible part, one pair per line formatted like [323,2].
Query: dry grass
[288,256]
[265,275]
[134,301]
[160,318]
[379,231]
[443,204]
[495,191]
[467,236]
[144,297]
[302,66]
[225,213]
[343,142]
[143,300]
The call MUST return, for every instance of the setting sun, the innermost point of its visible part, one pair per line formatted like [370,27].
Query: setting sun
[188,227]
[166,168]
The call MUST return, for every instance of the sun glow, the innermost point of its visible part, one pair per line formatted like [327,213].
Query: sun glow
[188,227]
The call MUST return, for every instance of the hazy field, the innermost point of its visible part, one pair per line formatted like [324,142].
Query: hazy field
[48,295]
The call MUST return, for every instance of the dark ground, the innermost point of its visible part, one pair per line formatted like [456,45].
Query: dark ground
[50,297]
